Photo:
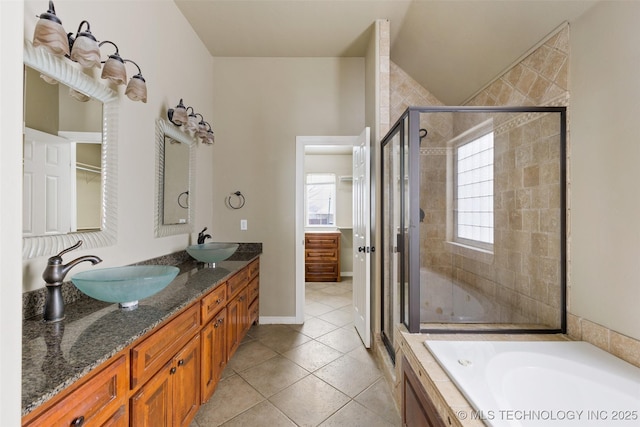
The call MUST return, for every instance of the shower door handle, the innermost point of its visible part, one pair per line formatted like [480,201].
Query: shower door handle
[366,249]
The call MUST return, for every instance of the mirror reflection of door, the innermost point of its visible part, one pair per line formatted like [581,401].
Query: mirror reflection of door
[176,182]
[62,191]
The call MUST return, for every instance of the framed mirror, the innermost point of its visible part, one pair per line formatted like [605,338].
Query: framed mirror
[175,182]
[44,241]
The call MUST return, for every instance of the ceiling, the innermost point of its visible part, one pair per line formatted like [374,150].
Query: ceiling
[453,48]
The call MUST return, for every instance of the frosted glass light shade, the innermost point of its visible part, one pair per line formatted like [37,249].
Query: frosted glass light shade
[209,138]
[50,35]
[137,89]
[85,51]
[180,115]
[78,96]
[192,123]
[115,70]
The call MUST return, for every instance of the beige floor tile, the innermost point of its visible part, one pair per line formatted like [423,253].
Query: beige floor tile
[349,375]
[284,340]
[316,286]
[274,375]
[338,317]
[232,397]
[363,354]
[249,355]
[334,289]
[317,308]
[261,331]
[378,400]
[263,414]
[314,327]
[343,340]
[354,414]
[338,301]
[312,355]
[309,401]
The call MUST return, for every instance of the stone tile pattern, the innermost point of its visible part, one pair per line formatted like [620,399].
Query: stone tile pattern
[315,374]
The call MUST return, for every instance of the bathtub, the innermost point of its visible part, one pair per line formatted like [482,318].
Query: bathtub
[534,383]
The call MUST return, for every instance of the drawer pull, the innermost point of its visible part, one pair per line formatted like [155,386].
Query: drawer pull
[172,370]
[180,362]
[78,422]
[219,300]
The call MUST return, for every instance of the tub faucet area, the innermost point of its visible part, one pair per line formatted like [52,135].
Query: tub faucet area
[53,275]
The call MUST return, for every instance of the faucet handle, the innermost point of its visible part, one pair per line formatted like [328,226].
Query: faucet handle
[69,249]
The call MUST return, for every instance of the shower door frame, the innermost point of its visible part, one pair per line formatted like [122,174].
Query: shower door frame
[412,116]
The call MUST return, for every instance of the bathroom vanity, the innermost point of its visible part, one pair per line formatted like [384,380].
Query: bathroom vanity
[152,366]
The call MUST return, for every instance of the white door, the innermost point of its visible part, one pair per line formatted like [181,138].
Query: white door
[47,184]
[361,237]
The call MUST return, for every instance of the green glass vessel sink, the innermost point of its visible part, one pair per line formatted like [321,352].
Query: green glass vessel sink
[212,252]
[125,285]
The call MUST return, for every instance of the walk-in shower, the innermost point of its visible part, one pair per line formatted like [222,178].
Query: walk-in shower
[473,219]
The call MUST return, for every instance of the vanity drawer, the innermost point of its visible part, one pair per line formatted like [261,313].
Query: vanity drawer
[320,255]
[321,240]
[254,288]
[254,269]
[152,353]
[213,303]
[236,283]
[96,402]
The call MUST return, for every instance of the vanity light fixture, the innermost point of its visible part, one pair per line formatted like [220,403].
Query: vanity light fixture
[84,49]
[193,122]
[50,34]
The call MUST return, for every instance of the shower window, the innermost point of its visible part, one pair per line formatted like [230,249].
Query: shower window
[473,221]
[474,192]
[320,199]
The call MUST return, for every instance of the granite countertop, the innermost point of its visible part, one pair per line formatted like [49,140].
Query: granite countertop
[56,355]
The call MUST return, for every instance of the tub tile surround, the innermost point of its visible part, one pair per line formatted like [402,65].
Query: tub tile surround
[56,355]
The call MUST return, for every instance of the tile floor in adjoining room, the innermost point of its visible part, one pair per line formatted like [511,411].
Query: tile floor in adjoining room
[315,374]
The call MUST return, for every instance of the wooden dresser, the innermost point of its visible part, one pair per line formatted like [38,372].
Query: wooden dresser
[322,257]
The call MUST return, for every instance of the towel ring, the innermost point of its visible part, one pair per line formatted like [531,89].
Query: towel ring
[186,205]
[239,203]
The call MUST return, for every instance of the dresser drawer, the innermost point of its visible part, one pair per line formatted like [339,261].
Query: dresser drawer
[152,353]
[320,255]
[321,241]
[213,303]
[94,402]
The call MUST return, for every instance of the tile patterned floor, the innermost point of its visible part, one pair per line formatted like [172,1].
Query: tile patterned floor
[316,374]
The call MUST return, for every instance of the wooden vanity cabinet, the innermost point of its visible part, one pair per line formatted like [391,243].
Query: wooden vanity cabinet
[162,379]
[214,353]
[417,408]
[107,406]
[322,257]
[171,397]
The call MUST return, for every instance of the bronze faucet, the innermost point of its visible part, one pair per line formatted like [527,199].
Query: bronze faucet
[53,276]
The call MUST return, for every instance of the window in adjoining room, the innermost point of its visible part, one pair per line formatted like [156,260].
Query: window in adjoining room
[320,193]
[474,192]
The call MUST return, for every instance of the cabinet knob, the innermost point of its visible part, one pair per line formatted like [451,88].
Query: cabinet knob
[172,370]
[219,300]
[180,362]
[78,422]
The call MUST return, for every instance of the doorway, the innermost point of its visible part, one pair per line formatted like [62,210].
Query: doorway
[337,154]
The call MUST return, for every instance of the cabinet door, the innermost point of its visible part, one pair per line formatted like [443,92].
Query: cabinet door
[151,405]
[214,354]
[119,419]
[186,383]
[234,324]
[417,408]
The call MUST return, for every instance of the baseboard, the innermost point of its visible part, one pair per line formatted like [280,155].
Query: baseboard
[277,320]
[346,273]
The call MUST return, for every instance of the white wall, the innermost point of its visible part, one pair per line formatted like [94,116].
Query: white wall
[260,106]
[605,151]
[175,65]
[11,24]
